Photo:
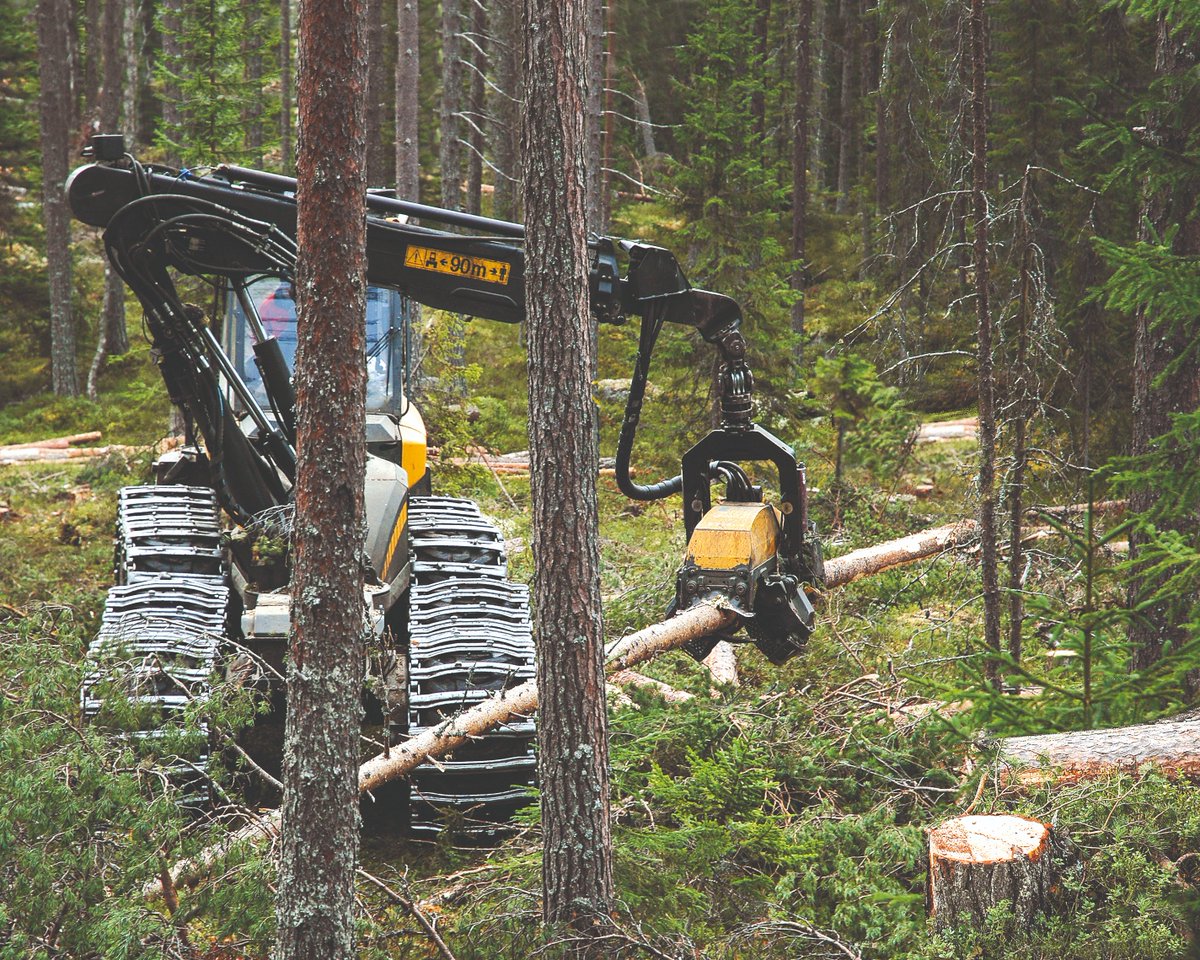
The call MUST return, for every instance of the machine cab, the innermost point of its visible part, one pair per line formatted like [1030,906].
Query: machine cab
[387,347]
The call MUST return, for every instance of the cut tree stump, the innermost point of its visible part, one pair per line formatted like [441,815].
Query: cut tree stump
[1172,747]
[975,862]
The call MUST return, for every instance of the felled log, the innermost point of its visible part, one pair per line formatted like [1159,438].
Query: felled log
[1171,747]
[977,861]
[895,553]
[699,621]
[54,443]
[965,428]
[1080,509]
[722,664]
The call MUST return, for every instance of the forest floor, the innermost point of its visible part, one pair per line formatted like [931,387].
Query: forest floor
[782,817]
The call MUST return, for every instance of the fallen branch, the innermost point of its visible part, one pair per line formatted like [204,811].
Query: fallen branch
[1172,747]
[520,701]
[1078,509]
[629,678]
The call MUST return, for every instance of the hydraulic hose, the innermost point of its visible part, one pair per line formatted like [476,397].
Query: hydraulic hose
[652,323]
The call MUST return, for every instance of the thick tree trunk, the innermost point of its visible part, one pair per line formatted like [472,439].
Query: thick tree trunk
[1158,394]
[800,125]
[1171,747]
[977,861]
[408,101]
[315,904]
[987,386]
[54,112]
[572,732]
[450,152]
[476,118]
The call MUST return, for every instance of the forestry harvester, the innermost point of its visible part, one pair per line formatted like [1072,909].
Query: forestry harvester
[201,569]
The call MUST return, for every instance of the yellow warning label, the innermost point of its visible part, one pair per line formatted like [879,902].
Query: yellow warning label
[458,264]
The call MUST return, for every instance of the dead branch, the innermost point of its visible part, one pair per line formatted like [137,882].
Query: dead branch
[413,911]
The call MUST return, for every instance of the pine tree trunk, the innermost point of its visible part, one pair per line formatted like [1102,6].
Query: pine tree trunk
[379,166]
[1020,405]
[315,904]
[506,41]
[172,52]
[54,110]
[408,100]
[827,99]
[285,84]
[477,122]
[111,337]
[608,154]
[847,112]
[1158,394]
[129,92]
[450,154]
[89,65]
[987,386]
[758,99]
[572,731]
[595,109]
[800,126]
[253,73]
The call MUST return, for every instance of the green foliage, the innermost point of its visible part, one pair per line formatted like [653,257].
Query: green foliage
[219,101]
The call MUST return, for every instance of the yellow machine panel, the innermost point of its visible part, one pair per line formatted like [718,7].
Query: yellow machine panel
[414,447]
[731,534]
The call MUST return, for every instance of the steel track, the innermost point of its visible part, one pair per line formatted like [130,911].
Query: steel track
[469,637]
[162,627]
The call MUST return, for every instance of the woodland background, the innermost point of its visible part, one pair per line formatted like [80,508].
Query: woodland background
[812,159]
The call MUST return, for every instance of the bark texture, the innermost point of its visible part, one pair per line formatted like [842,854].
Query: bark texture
[564,457]
[54,114]
[408,101]
[318,855]
[989,562]
[1172,747]
[1156,393]
[977,861]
